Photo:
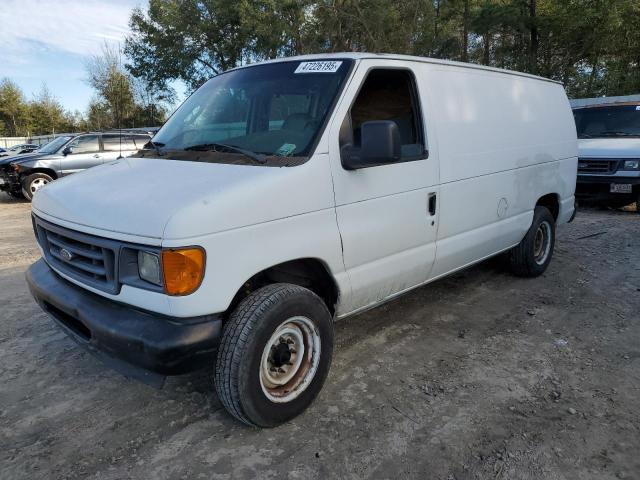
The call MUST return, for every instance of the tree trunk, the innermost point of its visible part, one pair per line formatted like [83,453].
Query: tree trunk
[436,24]
[465,32]
[486,48]
[534,40]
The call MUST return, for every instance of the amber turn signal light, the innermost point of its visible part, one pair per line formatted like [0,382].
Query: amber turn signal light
[183,270]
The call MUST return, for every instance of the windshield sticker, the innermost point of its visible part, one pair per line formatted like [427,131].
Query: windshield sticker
[318,67]
[286,149]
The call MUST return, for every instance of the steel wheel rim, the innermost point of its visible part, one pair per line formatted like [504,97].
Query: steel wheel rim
[37,184]
[290,359]
[542,243]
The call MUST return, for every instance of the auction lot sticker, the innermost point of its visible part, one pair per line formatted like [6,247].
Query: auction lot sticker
[318,67]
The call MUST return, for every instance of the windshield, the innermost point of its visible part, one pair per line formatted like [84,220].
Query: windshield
[272,110]
[613,121]
[54,145]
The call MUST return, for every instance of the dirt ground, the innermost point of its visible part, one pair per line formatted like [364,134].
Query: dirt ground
[481,375]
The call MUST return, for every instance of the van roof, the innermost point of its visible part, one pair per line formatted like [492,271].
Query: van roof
[393,56]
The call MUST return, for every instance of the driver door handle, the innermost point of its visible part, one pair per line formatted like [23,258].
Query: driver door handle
[432,203]
[97,155]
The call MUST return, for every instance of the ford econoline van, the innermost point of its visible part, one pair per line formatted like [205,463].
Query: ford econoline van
[284,195]
[609,153]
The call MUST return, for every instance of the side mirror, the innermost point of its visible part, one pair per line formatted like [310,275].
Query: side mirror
[67,151]
[380,144]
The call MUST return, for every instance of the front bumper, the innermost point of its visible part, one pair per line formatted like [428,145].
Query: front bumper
[9,181]
[594,187]
[141,345]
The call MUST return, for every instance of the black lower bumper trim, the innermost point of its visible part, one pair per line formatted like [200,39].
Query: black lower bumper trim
[588,179]
[139,344]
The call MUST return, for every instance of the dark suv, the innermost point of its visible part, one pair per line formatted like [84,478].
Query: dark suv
[25,174]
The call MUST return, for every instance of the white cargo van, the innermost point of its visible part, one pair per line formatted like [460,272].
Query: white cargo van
[283,195]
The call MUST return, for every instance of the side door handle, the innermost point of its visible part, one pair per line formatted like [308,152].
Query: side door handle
[97,155]
[432,203]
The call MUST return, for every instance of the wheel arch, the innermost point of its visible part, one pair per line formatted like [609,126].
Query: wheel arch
[47,171]
[311,273]
[552,202]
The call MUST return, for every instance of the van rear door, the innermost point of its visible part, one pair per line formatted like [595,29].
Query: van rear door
[387,214]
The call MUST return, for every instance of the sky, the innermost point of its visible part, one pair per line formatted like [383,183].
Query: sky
[49,41]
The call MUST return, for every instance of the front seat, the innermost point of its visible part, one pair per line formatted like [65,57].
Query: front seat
[298,122]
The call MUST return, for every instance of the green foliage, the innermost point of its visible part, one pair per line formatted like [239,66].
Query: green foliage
[121,100]
[591,45]
[40,116]
[14,111]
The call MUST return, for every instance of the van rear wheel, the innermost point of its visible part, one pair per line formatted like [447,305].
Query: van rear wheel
[275,355]
[532,255]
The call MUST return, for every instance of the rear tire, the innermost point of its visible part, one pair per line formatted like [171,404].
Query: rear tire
[532,255]
[275,355]
[34,182]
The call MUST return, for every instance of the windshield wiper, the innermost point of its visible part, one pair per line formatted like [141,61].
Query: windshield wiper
[617,134]
[155,145]
[203,147]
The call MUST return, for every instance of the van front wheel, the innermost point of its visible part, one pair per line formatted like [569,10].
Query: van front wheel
[532,255]
[275,355]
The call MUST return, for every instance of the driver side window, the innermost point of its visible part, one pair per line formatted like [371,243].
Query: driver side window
[85,144]
[389,94]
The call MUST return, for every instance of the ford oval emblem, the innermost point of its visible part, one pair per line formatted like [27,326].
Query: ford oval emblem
[66,254]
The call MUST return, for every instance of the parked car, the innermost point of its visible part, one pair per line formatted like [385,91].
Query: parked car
[283,195]
[19,149]
[609,153]
[67,154]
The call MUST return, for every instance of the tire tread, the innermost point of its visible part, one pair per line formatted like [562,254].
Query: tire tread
[235,338]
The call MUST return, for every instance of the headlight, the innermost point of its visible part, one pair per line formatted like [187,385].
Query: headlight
[149,267]
[631,164]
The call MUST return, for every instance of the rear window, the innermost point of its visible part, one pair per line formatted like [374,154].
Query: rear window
[115,143]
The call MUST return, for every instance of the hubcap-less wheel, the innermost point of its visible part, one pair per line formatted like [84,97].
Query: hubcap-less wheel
[542,243]
[290,359]
[37,184]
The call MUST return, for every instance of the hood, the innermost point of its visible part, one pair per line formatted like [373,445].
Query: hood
[170,199]
[22,158]
[614,147]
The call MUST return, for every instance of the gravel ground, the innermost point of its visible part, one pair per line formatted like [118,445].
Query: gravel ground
[480,375]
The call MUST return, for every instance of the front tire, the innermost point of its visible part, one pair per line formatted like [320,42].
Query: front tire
[531,257]
[275,355]
[34,182]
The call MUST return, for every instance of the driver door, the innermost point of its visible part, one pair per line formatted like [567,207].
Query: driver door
[387,214]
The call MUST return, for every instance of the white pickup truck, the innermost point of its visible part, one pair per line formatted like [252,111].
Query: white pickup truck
[283,195]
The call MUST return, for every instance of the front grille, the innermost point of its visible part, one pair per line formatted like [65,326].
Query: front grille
[600,165]
[86,258]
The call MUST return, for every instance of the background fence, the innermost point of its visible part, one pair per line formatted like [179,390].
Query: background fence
[6,142]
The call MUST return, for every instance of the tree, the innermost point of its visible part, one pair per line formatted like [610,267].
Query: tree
[47,115]
[194,40]
[591,45]
[14,111]
[121,100]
